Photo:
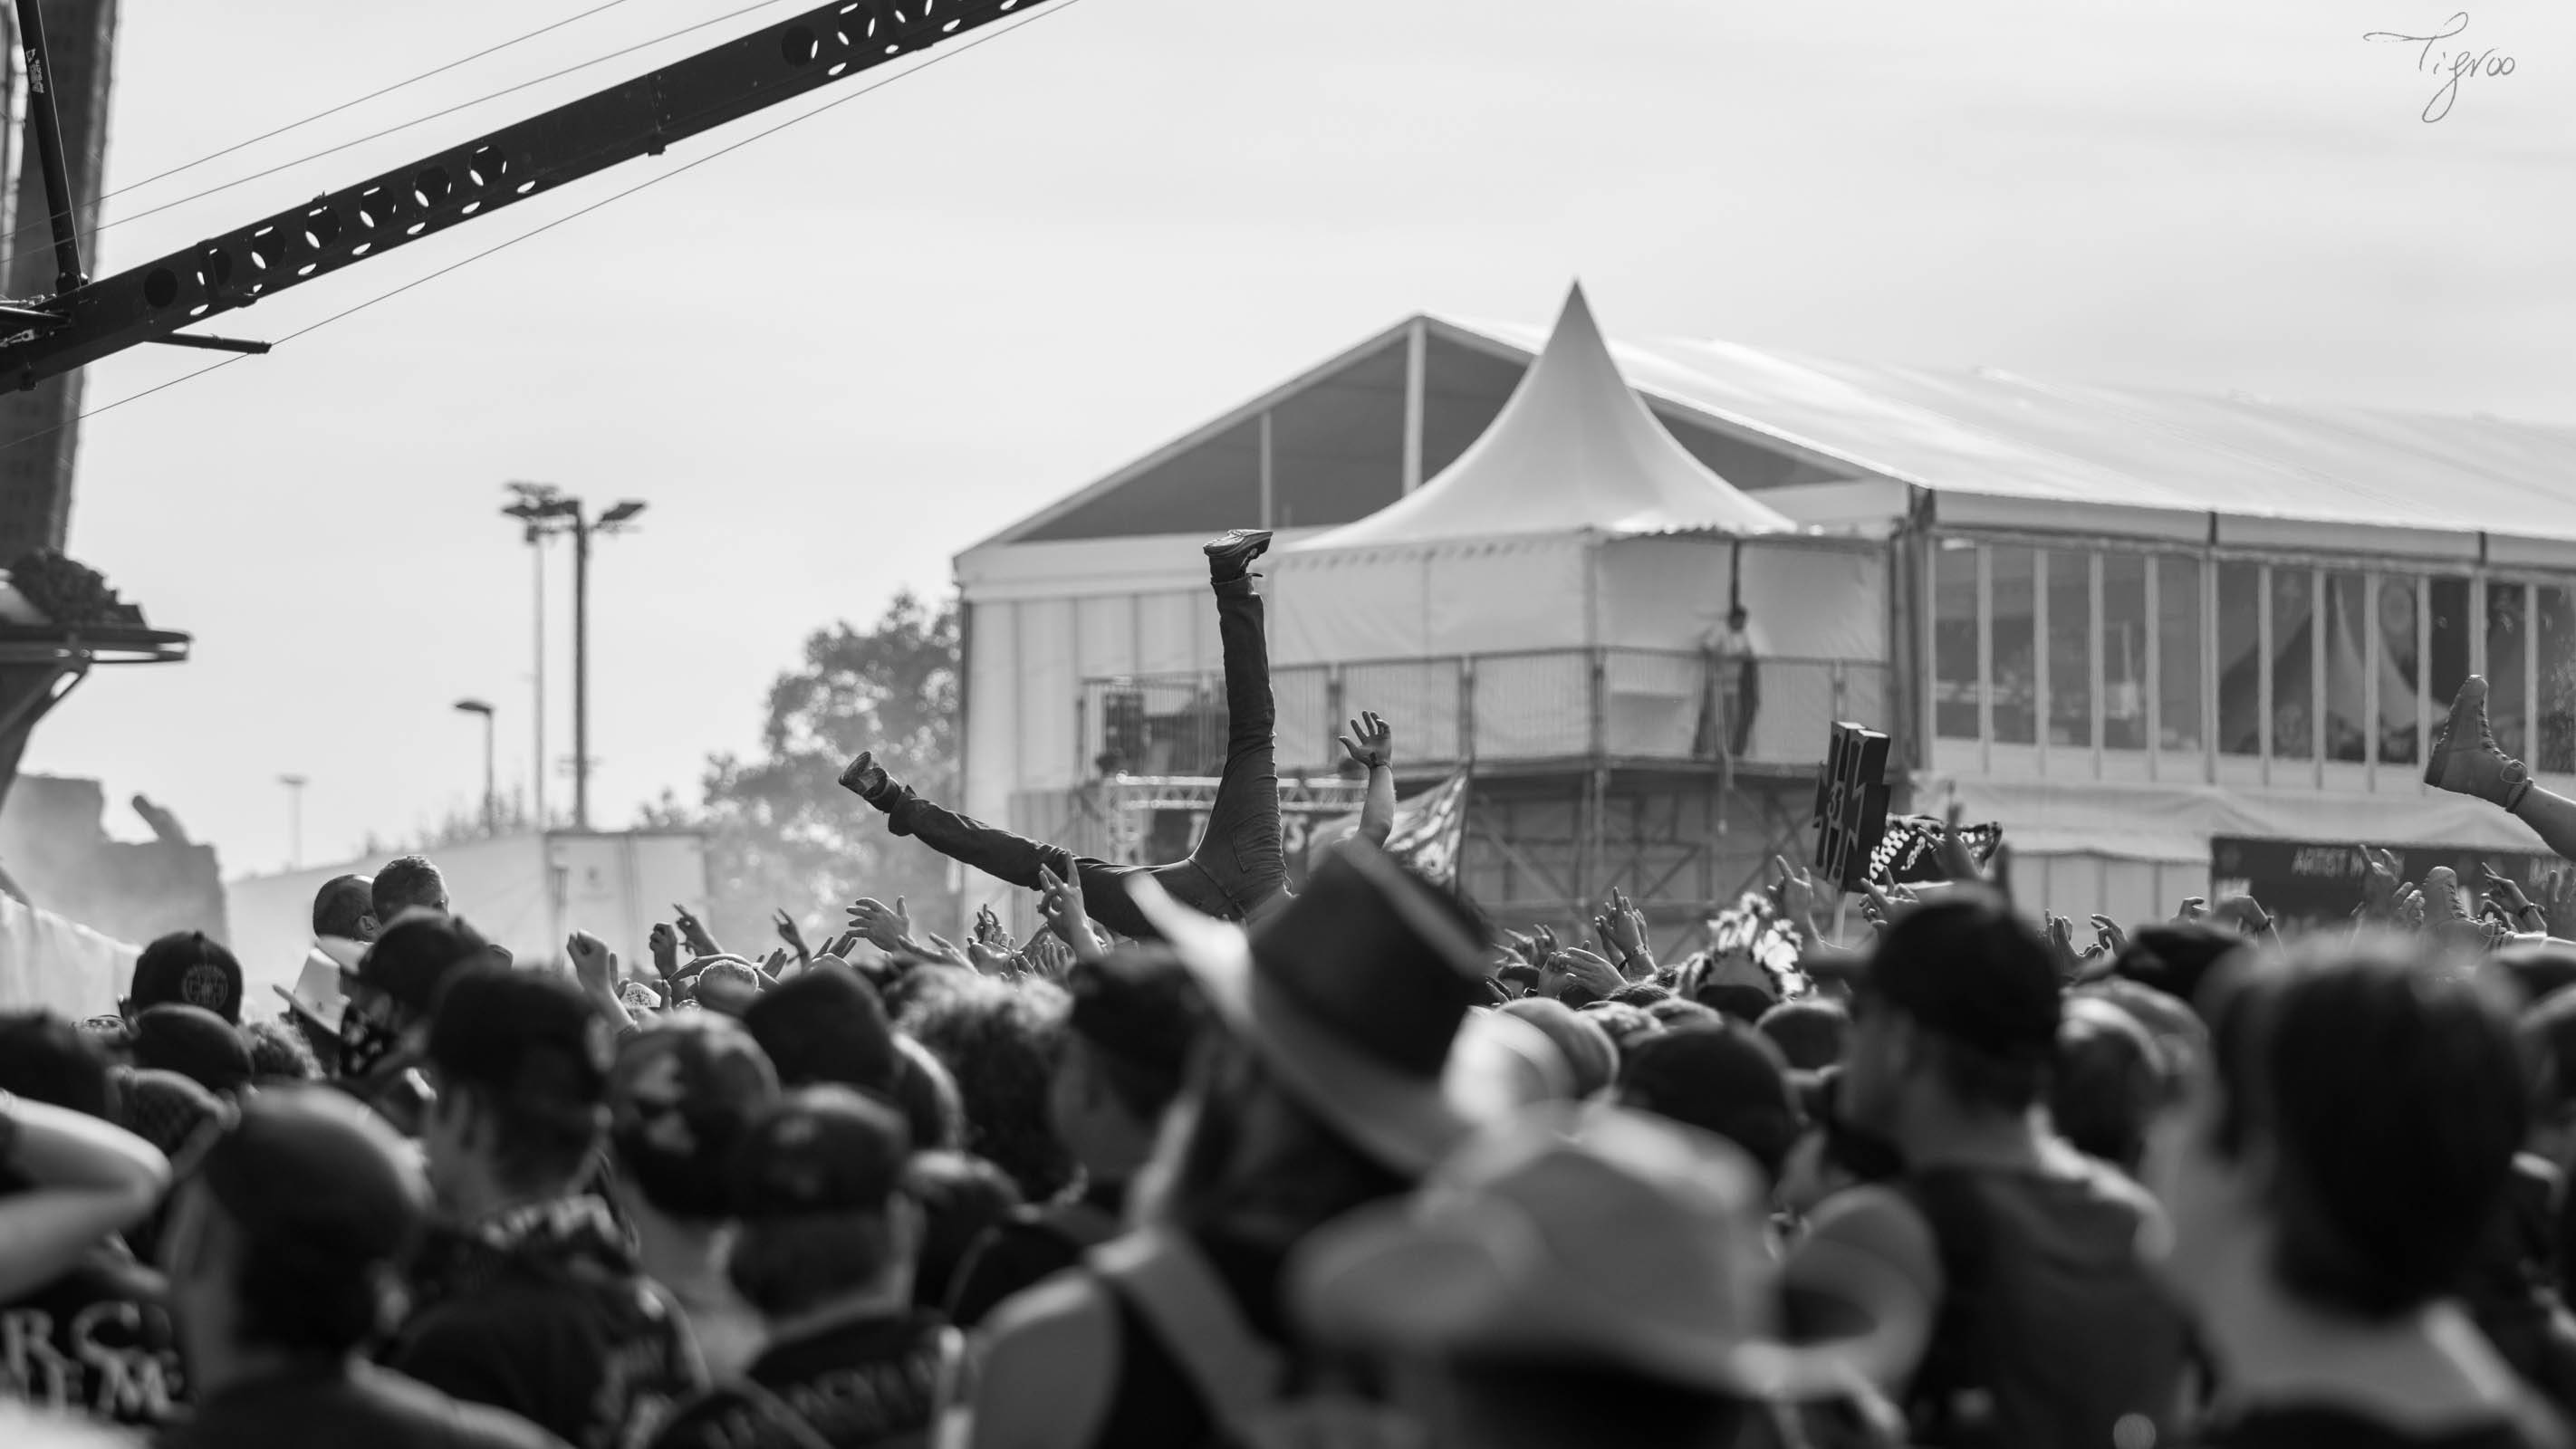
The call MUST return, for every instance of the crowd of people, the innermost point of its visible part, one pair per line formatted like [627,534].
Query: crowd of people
[1215,1163]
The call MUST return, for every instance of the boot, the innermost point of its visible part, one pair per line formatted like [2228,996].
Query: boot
[1230,555]
[2465,758]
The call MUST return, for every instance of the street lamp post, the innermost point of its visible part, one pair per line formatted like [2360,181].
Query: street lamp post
[491,797]
[546,509]
[294,819]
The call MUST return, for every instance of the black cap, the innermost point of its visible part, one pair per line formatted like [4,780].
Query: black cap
[312,1167]
[195,1043]
[1965,967]
[1726,1078]
[533,1041]
[826,1024]
[185,968]
[411,961]
[820,1150]
[2176,957]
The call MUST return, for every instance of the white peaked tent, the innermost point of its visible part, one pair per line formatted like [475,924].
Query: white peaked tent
[1575,522]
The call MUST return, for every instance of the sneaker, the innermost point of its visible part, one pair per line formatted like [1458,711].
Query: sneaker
[868,780]
[2465,758]
[1230,555]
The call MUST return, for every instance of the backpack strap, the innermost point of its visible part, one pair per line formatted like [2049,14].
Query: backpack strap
[1179,1295]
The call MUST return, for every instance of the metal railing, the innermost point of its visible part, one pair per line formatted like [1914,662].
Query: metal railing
[1531,707]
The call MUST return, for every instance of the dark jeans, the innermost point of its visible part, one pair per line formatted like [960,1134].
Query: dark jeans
[1240,861]
[1716,723]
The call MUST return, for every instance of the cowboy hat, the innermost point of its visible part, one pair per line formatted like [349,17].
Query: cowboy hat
[1359,997]
[1607,1237]
[317,997]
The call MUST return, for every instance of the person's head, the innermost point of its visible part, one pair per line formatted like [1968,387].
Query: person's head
[1675,1014]
[291,1232]
[1588,1276]
[280,1052]
[1809,1032]
[1640,993]
[826,1024]
[1626,1025]
[45,1058]
[2106,1083]
[186,968]
[164,1108]
[395,987]
[1737,618]
[726,984]
[1735,1000]
[679,1096]
[1590,1055]
[1000,1041]
[816,1186]
[408,884]
[520,1063]
[927,1096]
[2548,1032]
[1725,1079]
[345,908]
[195,1043]
[2350,1138]
[1130,1022]
[1954,1018]
[960,1197]
[2175,957]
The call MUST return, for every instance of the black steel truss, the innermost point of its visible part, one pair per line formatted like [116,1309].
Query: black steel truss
[476,178]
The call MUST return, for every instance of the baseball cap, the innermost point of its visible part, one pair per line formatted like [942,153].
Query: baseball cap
[311,1166]
[819,1150]
[1966,968]
[187,968]
[164,1108]
[826,1024]
[534,1041]
[195,1043]
[679,1095]
[411,960]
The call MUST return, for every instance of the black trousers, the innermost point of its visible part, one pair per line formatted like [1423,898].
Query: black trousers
[1240,860]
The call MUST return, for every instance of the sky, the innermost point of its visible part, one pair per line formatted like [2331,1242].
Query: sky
[836,357]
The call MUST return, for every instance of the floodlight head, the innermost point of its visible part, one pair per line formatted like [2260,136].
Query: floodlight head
[473,706]
[620,513]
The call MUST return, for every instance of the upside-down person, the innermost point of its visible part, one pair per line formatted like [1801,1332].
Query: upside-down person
[1240,870]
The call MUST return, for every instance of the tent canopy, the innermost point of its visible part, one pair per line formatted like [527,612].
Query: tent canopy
[1574,452]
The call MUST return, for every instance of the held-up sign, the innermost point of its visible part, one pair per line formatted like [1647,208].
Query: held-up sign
[1851,805]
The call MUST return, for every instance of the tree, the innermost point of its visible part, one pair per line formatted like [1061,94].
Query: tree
[782,833]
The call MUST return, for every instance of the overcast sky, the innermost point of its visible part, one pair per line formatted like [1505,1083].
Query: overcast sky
[836,357]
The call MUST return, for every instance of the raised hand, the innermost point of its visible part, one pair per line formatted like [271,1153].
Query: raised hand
[2108,938]
[1580,968]
[2381,879]
[887,929]
[944,951]
[2411,910]
[842,945]
[788,933]
[2194,908]
[1371,742]
[2519,912]
[2061,947]
[1060,902]
[1622,930]
[665,942]
[695,933]
[2442,896]
[1958,862]
[1797,896]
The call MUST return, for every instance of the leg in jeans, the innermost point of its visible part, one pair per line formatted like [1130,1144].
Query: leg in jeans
[1015,860]
[1242,855]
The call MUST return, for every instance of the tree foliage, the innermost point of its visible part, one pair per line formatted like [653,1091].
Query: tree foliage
[782,833]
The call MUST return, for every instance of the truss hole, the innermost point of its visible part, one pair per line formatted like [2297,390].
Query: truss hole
[837,69]
[431,186]
[201,309]
[160,287]
[307,269]
[799,45]
[526,186]
[362,248]
[416,228]
[472,207]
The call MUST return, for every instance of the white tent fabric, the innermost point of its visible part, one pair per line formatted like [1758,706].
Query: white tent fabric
[49,962]
[1522,544]
[1574,451]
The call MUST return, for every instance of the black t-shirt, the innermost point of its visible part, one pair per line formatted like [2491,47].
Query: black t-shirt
[347,1406]
[545,1315]
[868,1383]
[2322,1428]
[95,1341]
[1025,1249]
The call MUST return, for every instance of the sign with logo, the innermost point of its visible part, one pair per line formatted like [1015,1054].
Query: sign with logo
[2319,882]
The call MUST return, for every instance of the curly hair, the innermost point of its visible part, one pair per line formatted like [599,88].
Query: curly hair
[1001,1042]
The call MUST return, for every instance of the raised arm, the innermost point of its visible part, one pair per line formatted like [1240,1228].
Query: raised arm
[85,1180]
[1371,742]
